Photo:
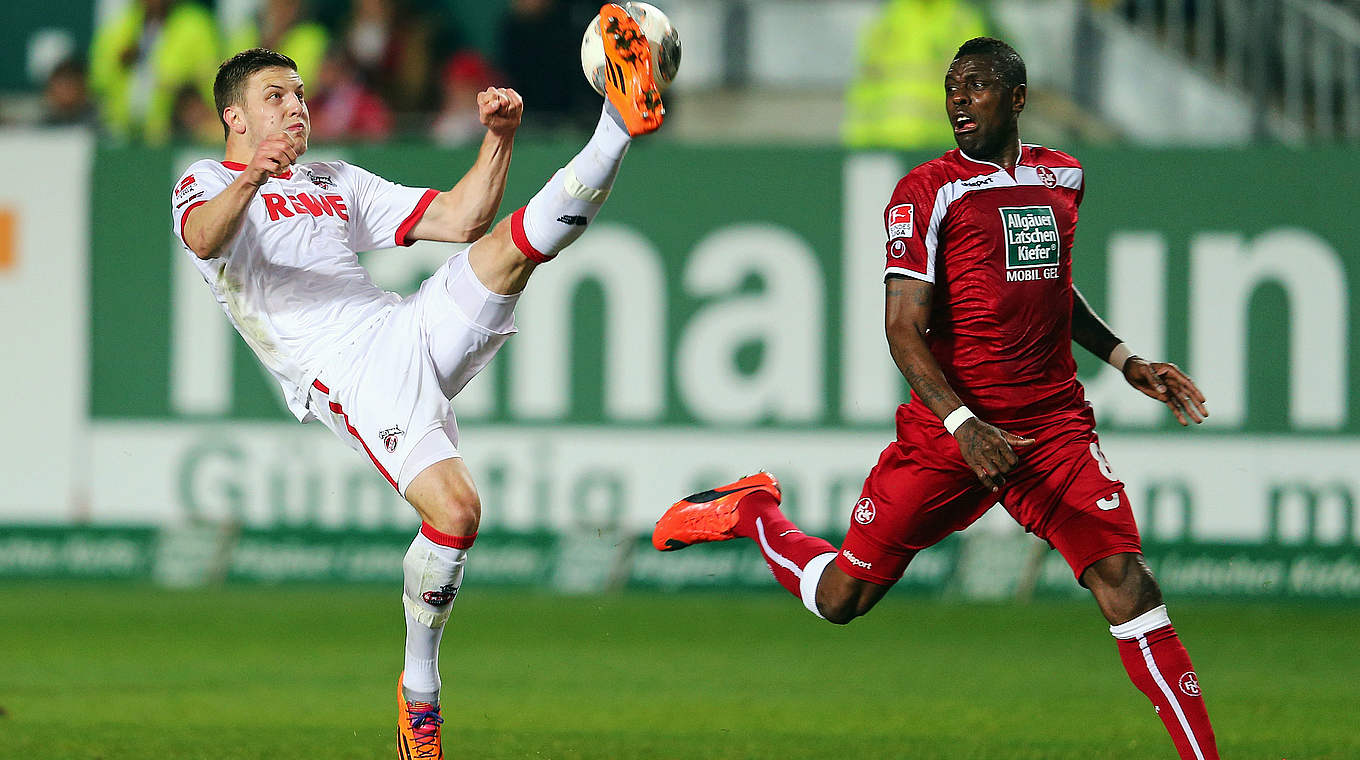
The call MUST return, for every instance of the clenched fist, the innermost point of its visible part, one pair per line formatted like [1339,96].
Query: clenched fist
[273,157]
[500,109]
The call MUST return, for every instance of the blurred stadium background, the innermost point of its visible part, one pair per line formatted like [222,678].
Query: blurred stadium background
[723,316]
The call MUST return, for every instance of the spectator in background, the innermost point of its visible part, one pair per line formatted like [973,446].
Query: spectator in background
[894,100]
[392,46]
[284,26]
[193,120]
[343,107]
[143,57]
[536,37]
[459,121]
[66,97]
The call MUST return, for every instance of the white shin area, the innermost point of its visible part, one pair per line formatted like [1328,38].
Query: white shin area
[432,575]
[559,213]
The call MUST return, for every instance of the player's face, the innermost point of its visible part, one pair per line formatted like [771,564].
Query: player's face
[982,110]
[275,103]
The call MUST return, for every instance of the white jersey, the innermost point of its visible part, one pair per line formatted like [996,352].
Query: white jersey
[290,281]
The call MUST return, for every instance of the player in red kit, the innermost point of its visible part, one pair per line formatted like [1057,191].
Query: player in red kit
[981,315]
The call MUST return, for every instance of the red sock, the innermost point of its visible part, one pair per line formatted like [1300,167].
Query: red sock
[786,549]
[1160,667]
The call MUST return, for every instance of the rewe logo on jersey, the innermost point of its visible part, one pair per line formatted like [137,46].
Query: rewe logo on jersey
[1031,237]
[280,206]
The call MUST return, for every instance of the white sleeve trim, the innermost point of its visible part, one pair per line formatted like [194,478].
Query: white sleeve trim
[909,273]
[1143,624]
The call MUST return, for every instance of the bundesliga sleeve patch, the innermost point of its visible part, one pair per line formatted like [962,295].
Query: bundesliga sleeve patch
[187,190]
[900,219]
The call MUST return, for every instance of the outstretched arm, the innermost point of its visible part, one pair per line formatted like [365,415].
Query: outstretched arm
[465,212]
[988,450]
[1163,381]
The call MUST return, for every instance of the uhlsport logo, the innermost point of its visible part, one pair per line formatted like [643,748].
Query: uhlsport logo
[898,249]
[1031,241]
[856,561]
[900,218]
[1189,683]
[864,511]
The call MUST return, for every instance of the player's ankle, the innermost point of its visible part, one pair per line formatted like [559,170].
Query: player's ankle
[758,504]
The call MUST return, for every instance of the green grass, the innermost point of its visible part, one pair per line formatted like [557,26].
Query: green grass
[115,672]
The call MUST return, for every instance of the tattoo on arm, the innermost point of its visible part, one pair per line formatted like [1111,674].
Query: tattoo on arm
[909,303]
[920,297]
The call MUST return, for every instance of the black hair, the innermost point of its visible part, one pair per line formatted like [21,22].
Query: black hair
[229,88]
[1010,67]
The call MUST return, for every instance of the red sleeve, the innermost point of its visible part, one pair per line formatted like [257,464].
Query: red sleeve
[416,215]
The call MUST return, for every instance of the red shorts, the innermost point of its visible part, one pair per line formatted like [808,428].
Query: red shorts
[1062,491]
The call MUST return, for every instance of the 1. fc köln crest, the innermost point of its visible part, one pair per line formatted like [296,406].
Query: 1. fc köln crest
[391,437]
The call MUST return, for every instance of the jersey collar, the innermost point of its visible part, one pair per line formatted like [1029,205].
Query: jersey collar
[1019,158]
[237,166]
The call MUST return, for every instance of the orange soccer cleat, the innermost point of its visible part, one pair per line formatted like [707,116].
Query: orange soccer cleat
[417,728]
[709,515]
[628,81]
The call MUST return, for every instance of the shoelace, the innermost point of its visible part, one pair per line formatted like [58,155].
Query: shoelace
[424,724]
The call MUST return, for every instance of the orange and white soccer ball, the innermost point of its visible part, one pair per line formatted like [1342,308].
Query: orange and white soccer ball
[661,37]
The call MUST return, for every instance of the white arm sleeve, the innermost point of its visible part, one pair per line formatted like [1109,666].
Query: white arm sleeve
[382,213]
[200,183]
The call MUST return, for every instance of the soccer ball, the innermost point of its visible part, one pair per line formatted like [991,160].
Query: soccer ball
[661,36]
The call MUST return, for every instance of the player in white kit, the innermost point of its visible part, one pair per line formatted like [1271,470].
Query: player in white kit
[276,240]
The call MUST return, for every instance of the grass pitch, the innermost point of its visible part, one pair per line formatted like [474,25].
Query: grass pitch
[113,672]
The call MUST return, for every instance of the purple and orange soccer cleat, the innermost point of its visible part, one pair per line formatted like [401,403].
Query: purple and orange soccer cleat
[417,728]
[628,80]
[709,515]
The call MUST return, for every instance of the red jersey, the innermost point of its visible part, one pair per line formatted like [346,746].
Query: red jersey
[997,245]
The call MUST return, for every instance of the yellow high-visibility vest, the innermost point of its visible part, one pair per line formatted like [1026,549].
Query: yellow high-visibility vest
[305,43]
[184,53]
[897,98]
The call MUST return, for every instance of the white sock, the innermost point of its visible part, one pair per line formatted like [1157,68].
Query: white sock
[432,574]
[560,212]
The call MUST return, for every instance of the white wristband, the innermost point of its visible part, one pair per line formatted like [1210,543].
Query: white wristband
[956,418]
[1119,357]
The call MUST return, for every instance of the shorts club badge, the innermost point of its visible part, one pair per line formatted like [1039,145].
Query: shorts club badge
[391,437]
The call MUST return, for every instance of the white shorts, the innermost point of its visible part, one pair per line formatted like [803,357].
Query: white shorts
[387,395]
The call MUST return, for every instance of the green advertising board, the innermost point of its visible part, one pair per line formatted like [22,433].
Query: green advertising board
[723,315]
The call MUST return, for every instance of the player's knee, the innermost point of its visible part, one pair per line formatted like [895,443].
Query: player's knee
[459,509]
[1124,586]
[840,606]
[839,612]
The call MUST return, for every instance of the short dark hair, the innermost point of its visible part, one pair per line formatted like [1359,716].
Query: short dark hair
[1009,65]
[229,88]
